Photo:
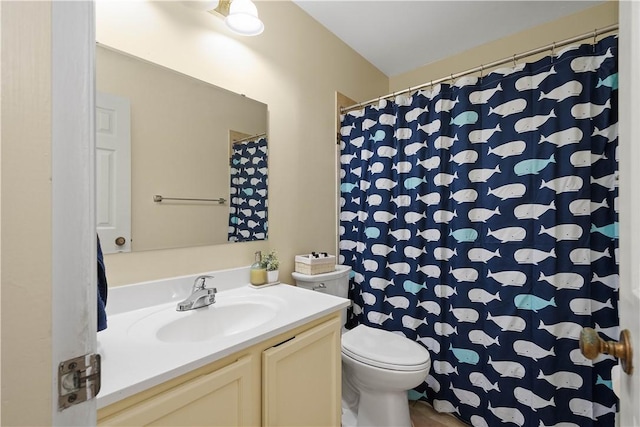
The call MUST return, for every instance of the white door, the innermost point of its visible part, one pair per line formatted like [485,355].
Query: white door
[629,157]
[73,246]
[113,172]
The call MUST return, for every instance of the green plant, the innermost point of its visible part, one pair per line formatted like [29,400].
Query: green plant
[270,261]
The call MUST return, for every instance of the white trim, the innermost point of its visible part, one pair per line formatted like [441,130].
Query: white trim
[629,154]
[73,195]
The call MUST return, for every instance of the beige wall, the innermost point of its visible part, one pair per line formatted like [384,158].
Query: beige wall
[295,67]
[25,166]
[579,23]
[179,148]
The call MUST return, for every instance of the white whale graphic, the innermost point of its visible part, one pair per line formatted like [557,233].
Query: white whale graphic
[464,157]
[482,214]
[589,63]
[532,123]
[480,337]
[513,148]
[482,175]
[567,90]
[533,210]
[569,330]
[483,96]
[562,379]
[533,82]
[563,280]
[508,278]
[532,400]
[478,379]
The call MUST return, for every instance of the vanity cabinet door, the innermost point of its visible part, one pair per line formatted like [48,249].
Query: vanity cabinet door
[301,379]
[221,398]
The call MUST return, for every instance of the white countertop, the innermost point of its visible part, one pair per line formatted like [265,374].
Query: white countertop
[131,363]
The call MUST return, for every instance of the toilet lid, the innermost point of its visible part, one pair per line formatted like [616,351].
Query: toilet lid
[384,349]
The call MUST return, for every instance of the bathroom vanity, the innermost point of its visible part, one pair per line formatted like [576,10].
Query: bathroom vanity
[274,360]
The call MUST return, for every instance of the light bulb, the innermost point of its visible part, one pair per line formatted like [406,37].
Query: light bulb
[243,18]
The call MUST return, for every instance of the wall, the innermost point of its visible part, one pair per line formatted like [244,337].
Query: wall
[26,267]
[295,67]
[179,148]
[564,28]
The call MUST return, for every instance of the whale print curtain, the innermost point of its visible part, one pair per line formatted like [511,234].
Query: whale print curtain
[480,220]
[249,181]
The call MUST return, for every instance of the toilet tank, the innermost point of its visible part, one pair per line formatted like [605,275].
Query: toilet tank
[333,283]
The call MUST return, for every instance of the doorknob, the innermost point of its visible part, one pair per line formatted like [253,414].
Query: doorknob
[120,241]
[591,345]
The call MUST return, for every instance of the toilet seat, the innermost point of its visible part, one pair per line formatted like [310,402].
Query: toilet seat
[384,349]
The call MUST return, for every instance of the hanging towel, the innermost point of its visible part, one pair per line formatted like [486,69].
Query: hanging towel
[102,291]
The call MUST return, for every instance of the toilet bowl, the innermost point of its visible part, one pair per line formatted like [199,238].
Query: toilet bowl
[378,367]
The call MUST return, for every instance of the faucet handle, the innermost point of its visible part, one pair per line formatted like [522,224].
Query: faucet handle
[200,282]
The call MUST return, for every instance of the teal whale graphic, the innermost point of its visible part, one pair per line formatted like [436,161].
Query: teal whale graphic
[604,382]
[465,356]
[413,287]
[464,235]
[347,187]
[611,81]
[379,136]
[532,302]
[532,166]
[465,118]
[248,191]
[372,232]
[412,183]
[235,220]
[416,395]
[610,230]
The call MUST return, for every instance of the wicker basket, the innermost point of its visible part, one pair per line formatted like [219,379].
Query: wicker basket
[307,264]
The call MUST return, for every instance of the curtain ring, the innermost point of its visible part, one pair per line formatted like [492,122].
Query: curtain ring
[553,51]
[514,60]
[595,39]
[481,72]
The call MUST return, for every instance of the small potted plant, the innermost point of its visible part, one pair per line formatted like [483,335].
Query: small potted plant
[271,264]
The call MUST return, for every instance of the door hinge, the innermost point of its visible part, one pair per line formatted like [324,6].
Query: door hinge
[78,380]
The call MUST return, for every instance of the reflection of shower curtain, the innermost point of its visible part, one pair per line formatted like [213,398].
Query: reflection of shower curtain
[480,220]
[249,179]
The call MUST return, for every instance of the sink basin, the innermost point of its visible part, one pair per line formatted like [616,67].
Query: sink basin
[226,317]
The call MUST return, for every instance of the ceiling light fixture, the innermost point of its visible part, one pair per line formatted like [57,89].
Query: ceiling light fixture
[241,16]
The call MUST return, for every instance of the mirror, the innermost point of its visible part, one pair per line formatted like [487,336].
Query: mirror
[197,155]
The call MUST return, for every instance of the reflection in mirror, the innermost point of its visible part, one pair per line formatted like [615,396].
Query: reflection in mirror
[248,212]
[201,148]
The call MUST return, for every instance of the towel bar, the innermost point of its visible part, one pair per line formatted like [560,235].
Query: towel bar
[158,198]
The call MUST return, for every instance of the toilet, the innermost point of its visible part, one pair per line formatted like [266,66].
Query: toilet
[378,366]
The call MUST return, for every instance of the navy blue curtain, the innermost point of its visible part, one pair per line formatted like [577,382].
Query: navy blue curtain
[480,219]
[249,182]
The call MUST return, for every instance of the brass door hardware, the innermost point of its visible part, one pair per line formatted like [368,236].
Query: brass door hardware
[591,345]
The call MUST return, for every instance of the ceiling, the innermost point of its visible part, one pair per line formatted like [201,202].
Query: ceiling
[399,36]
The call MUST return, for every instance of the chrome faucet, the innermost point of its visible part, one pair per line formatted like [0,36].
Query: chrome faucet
[201,296]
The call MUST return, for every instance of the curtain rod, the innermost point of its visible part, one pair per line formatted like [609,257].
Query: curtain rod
[595,33]
[250,138]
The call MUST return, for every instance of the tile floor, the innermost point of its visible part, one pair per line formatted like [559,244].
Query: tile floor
[423,415]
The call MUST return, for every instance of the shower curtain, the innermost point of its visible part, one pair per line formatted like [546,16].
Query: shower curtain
[248,191]
[480,220]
